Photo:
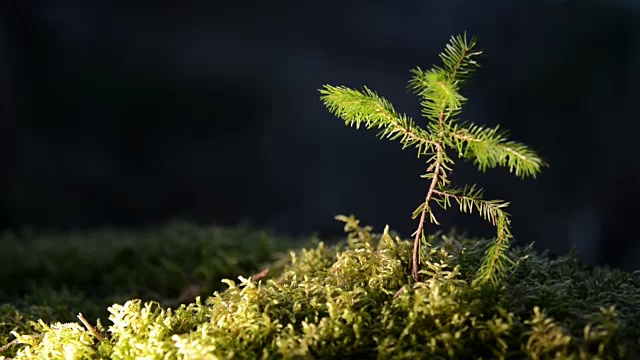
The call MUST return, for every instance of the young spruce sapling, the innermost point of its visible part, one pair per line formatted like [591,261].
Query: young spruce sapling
[439,90]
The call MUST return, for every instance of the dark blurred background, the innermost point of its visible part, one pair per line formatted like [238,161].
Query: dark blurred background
[128,114]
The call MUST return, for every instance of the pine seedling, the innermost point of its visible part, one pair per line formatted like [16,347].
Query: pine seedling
[488,147]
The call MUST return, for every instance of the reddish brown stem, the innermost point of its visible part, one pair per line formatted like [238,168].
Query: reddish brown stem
[416,241]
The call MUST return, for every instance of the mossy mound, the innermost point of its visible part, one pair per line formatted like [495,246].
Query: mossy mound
[357,299]
[108,261]
[54,276]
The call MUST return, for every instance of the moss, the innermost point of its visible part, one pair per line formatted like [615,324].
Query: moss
[101,263]
[53,277]
[357,299]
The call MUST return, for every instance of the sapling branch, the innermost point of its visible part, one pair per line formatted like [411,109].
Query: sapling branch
[441,104]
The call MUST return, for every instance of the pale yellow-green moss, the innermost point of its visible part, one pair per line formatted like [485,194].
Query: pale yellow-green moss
[357,299]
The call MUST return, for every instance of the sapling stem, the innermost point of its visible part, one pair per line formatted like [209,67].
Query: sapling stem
[416,242]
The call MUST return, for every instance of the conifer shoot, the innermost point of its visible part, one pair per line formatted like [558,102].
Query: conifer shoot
[444,131]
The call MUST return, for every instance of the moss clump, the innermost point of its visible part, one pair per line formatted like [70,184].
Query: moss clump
[357,299]
[53,277]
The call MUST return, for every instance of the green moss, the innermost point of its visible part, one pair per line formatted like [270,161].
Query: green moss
[357,299]
[53,277]
[108,261]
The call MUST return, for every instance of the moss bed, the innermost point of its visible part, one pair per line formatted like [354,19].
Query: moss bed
[160,294]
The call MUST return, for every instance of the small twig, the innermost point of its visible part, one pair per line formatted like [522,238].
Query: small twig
[261,275]
[9,345]
[90,328]
[16,342]
[400,291]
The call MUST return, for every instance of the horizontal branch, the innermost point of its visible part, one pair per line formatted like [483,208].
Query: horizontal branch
[490,149]
[366,107]
[470,197]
